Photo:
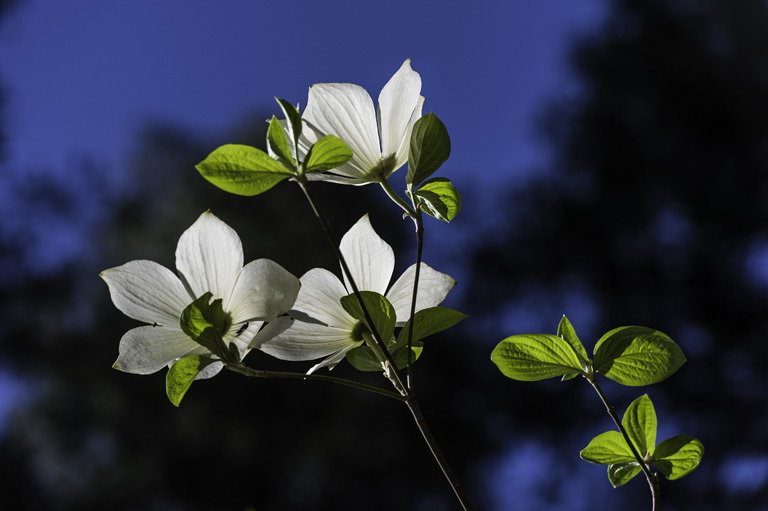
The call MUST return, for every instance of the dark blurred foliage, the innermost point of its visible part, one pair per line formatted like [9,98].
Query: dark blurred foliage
[656,213]
[653,213]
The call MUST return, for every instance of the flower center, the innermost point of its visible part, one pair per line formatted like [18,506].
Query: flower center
[357,332]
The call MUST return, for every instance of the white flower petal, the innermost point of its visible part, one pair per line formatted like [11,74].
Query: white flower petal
[319,299]
[210,371]
[398,101]
[308,341]
[209,257]
[370,259]
[401,155]
[331,361]
[148,349]
[346,110]
[264,290]
[146,291]
[269,331]
[433,288]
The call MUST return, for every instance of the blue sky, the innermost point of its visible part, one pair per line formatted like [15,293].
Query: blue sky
[84,75]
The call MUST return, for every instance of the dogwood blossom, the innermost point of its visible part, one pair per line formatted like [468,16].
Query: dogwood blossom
[322,328]
[209,258]
[379,138]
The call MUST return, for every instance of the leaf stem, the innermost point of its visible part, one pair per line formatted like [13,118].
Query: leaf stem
[259,373]
[417,218]
[395,197]
[653,479]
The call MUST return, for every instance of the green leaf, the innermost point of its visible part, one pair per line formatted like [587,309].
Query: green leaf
[677,456]
[430,321]
[292,118]
[206,323]
[430,147]
[608,448]
[327,153]
[636,355]
[181,375]
[532,357]
[362,358]
[382,313]
[400,353]
[620,473]
[278,143]
[640,422]
[242,170]
[439,199]
[566,331]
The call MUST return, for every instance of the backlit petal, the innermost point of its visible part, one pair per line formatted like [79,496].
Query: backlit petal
[319,299]
[333,360]
[345,110]
[209,257]
[146,291]
[264,290]
[433,288]
[308,341]
[398,101]
[148,349]
[370,259]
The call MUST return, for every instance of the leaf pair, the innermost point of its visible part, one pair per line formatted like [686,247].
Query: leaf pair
[206,323]
[429,148]
[674,457]
[630,355]
[246,170]
[425,323]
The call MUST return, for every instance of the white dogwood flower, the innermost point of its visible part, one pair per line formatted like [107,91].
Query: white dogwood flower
[209,258]
[379,139]
[322,328]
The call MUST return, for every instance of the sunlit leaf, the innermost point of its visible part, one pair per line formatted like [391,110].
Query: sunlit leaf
[292,118]
[620,473]
[567,332]
[242,170]
[635,355]
[677,456]
[381,312]
[181,375]
[439,198]
[327,153]
[206,323]
[608,448]
[640,422]
[278,143]
[430,146]
[531,357]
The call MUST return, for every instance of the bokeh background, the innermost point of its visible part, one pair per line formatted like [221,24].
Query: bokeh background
[613,159]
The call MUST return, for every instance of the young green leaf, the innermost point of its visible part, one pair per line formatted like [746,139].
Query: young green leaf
[206,323]
[430,147]
[532,357]
[620,473]
[363,359]
[430,321]
[640,422]
[439,199]
[608,448]
[566,331]
[327,153]
[278,144]
[242,170]
[292,118]
[381,311]
[677,456]
[636,355]
[181,375]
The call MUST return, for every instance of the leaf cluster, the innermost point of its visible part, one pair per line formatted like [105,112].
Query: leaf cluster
[673,457]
